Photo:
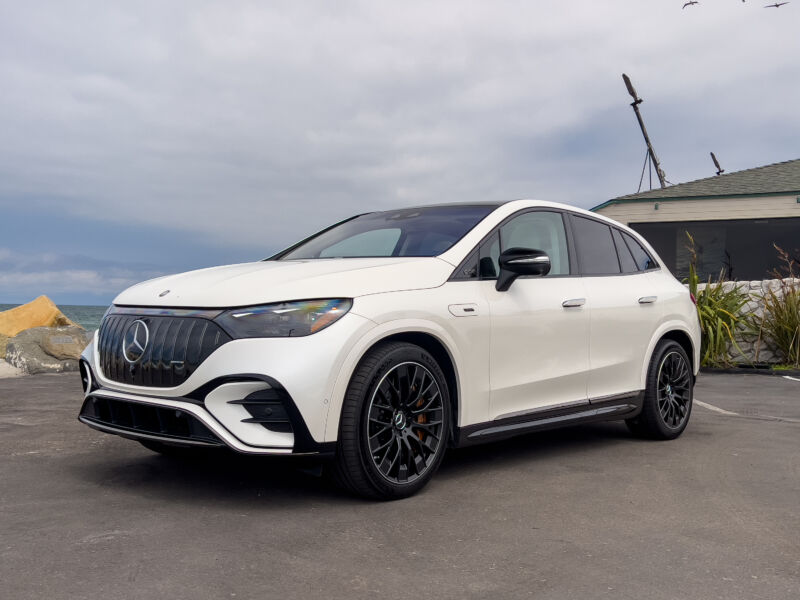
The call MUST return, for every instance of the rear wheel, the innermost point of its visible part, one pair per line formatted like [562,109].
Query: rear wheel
[668,395]
[395,423]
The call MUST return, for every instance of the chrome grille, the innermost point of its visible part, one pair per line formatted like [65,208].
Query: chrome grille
[175,348]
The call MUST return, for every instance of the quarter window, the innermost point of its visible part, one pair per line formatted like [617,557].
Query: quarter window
[488,265]
[625,258]
[596,252]
[643,260]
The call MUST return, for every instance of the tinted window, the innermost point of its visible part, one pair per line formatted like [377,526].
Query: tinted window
[643,260]
[539,230]
[488,265]
[380,242]
[596,252]
[469,268]
[625,258]
[415,231]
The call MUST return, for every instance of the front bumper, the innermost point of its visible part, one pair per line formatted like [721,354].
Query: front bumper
[250,414]
[256,396]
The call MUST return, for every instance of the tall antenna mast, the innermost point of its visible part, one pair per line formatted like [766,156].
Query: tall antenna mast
[651,153]
[720,170]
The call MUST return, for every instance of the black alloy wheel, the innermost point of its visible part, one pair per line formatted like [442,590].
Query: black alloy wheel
[395,423]
[668,395]
[674,390]
[404,426]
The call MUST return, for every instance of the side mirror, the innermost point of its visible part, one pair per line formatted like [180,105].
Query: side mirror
[521,261]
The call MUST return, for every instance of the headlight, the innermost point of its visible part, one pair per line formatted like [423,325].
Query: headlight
[284,319]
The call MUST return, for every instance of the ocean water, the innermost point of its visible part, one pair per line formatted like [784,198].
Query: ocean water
[87,317]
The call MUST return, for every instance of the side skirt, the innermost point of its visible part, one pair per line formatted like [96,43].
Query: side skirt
[609,408]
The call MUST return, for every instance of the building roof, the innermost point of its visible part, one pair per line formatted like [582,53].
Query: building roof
[778,178]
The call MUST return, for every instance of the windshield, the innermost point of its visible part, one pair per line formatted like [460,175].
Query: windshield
[408,232]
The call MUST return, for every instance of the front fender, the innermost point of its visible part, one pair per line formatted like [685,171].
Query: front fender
[367,341]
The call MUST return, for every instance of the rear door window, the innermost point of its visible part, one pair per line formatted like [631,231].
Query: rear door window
[597,254]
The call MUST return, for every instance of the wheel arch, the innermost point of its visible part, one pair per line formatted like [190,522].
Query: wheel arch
[677,333]
[683,339]
[425,338]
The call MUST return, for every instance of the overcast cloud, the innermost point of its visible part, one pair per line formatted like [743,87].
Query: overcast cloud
[245,125]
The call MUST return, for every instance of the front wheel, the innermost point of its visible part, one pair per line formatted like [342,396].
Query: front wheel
[668,395]
[395,423]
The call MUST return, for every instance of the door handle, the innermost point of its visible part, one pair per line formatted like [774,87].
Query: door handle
[647,299]
[574,303]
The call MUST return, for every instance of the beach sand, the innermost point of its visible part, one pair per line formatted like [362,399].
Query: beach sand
[7,370]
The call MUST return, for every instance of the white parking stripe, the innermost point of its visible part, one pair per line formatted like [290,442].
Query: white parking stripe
[716,409]
[728,413]
[792,378]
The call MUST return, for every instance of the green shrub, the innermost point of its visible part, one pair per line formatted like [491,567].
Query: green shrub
[779,327]
[718,309]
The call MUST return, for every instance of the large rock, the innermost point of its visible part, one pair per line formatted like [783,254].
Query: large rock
[47,349]
[42,312]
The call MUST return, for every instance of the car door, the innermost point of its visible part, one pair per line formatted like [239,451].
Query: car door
[539,355]
[622,303]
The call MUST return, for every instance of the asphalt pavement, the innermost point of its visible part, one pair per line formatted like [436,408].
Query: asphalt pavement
[587,512]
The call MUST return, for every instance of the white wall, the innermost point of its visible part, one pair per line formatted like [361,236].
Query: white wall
[703,210]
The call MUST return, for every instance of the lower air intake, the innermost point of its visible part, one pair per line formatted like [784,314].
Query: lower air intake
[124,417]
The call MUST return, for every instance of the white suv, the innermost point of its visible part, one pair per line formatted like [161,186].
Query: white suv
[390,336]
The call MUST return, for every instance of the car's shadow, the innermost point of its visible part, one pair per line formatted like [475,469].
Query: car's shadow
[223,476]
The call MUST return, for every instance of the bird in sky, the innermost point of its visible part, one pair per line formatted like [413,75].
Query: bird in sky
[690,3]
[776,5]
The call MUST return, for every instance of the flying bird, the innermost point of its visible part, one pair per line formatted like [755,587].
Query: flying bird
[776,5]
[690,3]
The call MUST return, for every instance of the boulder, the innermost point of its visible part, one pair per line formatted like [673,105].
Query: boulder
[65,343]
[47,349]
[42,312]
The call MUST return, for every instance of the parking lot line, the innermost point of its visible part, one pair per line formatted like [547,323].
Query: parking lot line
[729,413]
[792,378]
[716,409]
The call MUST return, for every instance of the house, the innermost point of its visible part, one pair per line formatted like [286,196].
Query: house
[734,218]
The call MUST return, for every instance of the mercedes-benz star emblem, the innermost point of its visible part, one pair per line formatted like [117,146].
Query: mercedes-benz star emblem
[135,341]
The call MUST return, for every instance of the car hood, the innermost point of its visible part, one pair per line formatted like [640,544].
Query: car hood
[276,281]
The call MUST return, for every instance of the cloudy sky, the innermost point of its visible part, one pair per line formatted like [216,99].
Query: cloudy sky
[154,137]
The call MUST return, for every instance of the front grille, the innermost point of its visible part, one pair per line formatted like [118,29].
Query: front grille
[134,417]
[175,347]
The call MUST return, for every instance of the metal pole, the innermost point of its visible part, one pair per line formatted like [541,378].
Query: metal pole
[635,104]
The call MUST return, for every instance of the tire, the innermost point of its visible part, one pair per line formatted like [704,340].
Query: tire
[395,423]
[668,395]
